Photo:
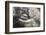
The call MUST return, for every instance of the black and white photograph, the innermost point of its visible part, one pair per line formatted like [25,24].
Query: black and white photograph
[26,17]
[22,17]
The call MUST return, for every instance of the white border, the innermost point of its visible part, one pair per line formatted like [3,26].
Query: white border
[11,29]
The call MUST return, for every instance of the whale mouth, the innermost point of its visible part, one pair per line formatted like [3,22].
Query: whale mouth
[24,17]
